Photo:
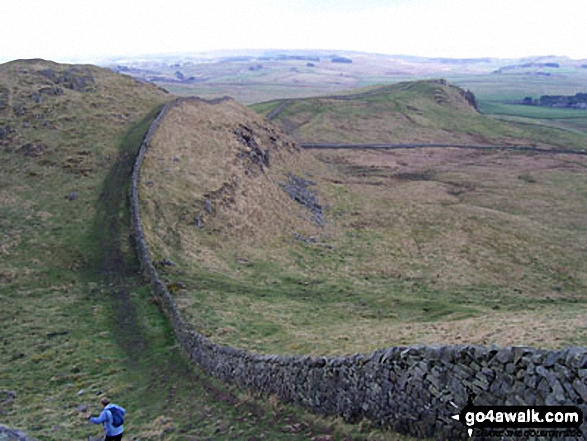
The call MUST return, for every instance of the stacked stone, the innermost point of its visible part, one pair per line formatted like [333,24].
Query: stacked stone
[413,390]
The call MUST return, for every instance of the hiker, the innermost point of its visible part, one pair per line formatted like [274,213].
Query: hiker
[112,417]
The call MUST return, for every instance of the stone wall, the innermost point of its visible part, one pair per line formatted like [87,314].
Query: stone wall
[413,390]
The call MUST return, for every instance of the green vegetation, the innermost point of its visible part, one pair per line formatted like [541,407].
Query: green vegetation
[414,112]
[420,246]
[77,321]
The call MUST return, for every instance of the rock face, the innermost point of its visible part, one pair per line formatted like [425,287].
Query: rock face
[298,189]
[33,149]
[246,136]
[413,390]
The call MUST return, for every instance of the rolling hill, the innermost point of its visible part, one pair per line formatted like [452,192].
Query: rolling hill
[429,245]
[430,111]
[266,246]
[76,321]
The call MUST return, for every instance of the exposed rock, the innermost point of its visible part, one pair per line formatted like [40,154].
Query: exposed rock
[5,132]
[306,240]
[6,397]
[72,196]
[198,222]
[8,434]
[55,91]
[208,206]
[246,136]
[470,97]
[19,110]
[75,78]
[37,98]
[33,149]
[297,189]
[167,262]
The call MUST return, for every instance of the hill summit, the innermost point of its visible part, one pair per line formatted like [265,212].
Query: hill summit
[422,112]
[218,176]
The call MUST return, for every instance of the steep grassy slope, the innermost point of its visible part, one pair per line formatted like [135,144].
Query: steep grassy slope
[445,246]
[64,130]
[413,112]
[76,320]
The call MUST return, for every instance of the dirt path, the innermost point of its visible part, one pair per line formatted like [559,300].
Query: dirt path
[169,374]
[457,146]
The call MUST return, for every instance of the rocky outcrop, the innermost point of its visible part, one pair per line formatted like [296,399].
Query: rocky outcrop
[75,78]
[247,138]
[299,190]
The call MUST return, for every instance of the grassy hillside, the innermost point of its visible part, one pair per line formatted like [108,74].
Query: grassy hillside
[76,320]
[421,112]
[444,246]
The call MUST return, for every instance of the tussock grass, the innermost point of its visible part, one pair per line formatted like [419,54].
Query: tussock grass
[427,245]
[76,321]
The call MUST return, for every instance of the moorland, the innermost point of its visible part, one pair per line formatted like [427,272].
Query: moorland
[372,248]
[77,320]
[307,251]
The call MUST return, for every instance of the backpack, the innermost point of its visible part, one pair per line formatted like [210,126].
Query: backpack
[117,416]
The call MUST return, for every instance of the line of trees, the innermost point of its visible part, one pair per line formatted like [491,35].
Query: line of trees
[577,101]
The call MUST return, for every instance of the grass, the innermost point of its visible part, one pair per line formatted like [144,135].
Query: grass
[537,112]
[421,246]
[77,321]
[418,112]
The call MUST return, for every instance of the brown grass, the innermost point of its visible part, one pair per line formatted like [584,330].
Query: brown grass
[427,245]
[185,167]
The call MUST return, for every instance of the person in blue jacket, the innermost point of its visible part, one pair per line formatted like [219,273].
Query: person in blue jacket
[112,432]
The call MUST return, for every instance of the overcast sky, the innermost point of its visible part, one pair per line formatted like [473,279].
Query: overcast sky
[85,30]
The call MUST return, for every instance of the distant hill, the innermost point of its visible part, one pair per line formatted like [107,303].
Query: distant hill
[303,73]
[535,68]
[428,111]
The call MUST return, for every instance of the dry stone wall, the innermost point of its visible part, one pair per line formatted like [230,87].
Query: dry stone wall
[413,390]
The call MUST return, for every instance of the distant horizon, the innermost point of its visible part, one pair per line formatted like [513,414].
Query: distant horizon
[219,53]
[67,30]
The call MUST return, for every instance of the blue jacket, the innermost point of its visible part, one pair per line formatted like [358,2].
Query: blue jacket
[106,419]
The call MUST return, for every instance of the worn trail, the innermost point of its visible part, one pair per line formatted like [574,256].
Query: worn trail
[457,146]
[169,374]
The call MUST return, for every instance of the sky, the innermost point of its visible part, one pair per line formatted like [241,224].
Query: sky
[88,30]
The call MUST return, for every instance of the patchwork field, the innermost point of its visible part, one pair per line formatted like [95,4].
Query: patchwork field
[410,246]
